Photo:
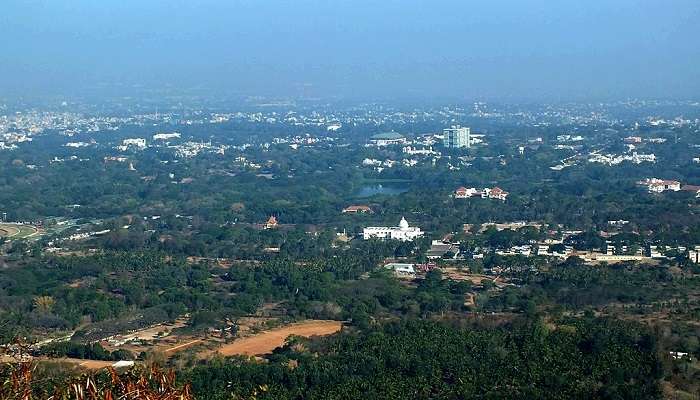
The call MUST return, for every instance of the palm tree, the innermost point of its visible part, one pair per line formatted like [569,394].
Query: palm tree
[44,303]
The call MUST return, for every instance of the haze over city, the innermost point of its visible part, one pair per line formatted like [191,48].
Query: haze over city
[407,49]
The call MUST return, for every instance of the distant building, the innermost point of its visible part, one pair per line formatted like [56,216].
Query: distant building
[387,138]
[271,222]
[137,142]
[166,136]
[655,185]
[403,232]
[439,249]
[465,193]
[456,137]
[495,193]
[486,193]
[694,255]
[400,269]
[357,210]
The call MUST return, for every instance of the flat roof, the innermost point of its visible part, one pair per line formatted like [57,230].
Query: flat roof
[387,136]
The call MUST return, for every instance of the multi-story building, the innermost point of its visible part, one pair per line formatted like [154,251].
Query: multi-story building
[457,137]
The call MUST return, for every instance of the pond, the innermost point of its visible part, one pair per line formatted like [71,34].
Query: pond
[381,189]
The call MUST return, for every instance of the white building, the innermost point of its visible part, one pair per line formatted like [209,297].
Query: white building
[387,139]
[694,255]
[139,143]
[166,136]
[456,137]
[401,269]
[403,232]
[655,185]
[465,193]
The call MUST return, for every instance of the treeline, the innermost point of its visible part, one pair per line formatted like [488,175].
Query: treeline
[110,292]
[415,359]
[92,351]
[299,188]
[571,285]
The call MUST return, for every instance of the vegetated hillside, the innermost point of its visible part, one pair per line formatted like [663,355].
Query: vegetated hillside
[417,359]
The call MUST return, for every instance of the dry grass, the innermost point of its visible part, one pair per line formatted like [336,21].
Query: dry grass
[265,342]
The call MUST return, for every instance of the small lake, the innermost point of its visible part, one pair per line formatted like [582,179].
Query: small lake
[383,189]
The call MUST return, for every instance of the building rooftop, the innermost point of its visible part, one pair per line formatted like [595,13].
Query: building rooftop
[387,136]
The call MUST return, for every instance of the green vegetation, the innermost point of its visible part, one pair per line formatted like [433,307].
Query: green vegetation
[127,248]
[597,359]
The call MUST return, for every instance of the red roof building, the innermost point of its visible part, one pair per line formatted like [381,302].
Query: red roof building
[498,193]
[357,209]
[271,222]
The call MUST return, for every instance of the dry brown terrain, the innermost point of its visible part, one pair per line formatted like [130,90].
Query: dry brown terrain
[90,364]
[182,346]
[265,342]
[77,362]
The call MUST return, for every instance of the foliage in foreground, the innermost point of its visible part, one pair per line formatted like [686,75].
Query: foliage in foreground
[18,382]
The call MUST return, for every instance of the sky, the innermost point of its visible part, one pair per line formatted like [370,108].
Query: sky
[355,49]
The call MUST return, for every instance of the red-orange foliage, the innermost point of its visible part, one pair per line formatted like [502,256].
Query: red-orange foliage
[18,383]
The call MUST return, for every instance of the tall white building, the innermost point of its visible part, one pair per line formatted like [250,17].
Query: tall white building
[403,232]
[456,137]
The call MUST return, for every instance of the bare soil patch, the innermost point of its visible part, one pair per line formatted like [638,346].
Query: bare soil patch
[265,342]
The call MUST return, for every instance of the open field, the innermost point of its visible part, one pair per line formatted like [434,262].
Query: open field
[158,337]
[17,231]
[89,364]
[63,362]
[266,341]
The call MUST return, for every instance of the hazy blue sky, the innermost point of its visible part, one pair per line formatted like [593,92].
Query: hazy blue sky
[519,49]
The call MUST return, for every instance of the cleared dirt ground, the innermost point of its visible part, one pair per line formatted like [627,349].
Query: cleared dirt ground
[17,231]
[266,341]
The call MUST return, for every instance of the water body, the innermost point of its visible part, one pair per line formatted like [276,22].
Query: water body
[381,189]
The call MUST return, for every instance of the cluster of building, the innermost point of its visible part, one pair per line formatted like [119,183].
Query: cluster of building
[569,138]
[615,159]
[191,149]
[454,137]
[380,165]
[486,193]
[655,185]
